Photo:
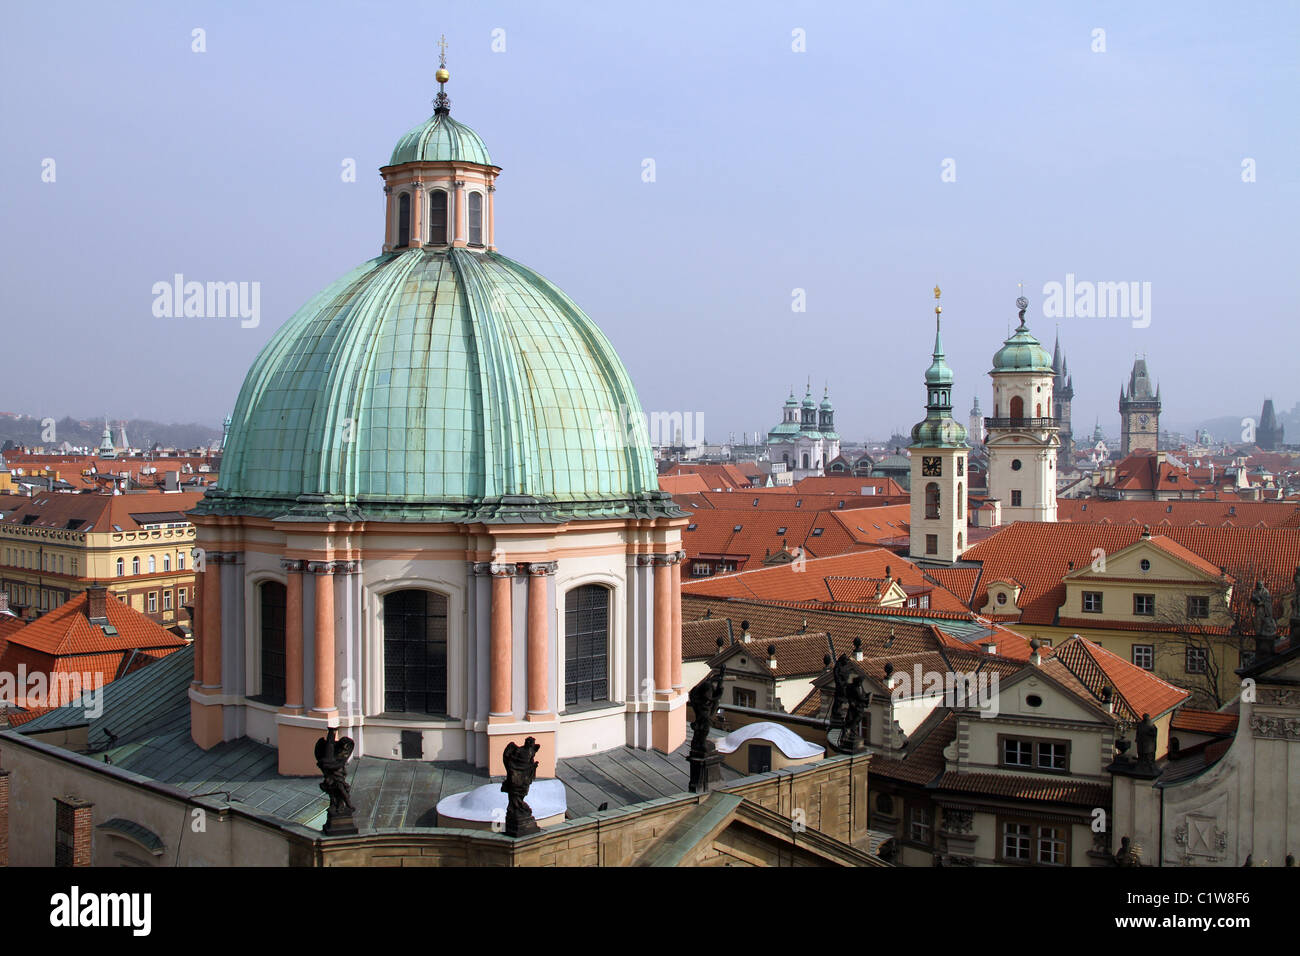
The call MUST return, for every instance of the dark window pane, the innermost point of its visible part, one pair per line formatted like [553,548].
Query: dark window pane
[273,603]
[415,652]
[476,219]
[586,645]
[438,217]
[404,220]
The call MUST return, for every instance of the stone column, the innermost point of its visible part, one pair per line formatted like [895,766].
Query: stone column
[456,230]
[500,697]
[388,218]
[212,619]
[679,557]
[323,639]
[417,214]
[539,643]
[196,623]
[663,625]
[490,232]
[293,636]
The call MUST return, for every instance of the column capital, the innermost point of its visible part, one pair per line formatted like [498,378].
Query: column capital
[543,567]
[331,567]
[507,570]
[292,565]
[666,560]
[480,568]
[388,190]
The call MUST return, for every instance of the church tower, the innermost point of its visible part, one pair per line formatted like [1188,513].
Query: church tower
[938,466]
[1139,412]
[1268,435]
[1062,397]
[1022,439]
[976,427]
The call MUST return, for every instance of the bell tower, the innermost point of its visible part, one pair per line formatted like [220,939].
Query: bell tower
[938,466]
[1139,411]
[1022,439]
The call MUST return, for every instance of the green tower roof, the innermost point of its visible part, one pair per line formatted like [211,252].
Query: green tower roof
[440,139]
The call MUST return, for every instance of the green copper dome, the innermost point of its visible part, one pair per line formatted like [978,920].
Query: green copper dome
[1022,353]
[440,139]
[439,385]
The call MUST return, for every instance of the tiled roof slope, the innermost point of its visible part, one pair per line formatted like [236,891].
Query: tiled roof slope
[1179,514]
[67,630]
[1039,554]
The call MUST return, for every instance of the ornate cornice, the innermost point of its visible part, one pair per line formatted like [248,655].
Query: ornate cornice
[292,565]
[543,567]
[1274,726]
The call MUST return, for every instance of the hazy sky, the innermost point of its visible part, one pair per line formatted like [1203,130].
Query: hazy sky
[775,170]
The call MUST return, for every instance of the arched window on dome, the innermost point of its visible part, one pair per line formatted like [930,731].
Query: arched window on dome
[271,636]
[586,645]
[403,220]
[415,652]
[438,217]
[476,219]
[932,500]
[1017,407]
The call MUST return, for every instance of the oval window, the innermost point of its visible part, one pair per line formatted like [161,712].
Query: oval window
[1002,597]
[1145,565]
[1015,464]
[1033,700]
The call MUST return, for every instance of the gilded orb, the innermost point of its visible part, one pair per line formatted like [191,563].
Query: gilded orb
[442,76]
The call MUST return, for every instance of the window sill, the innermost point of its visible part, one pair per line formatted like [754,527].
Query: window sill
[595,708]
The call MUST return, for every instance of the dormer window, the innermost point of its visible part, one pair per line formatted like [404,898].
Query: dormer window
[476,219]
[438,217]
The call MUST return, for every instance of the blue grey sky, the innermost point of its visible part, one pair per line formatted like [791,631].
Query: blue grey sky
[775,170]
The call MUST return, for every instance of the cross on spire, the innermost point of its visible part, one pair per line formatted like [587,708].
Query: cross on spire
[442,51]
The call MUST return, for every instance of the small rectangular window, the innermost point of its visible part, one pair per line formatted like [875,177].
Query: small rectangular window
[1198,606]
[1017,753]
[921,826]
[1092,602]
[1197,660]
[1015,499]
[931,544]
[1144,605]
[1144,656]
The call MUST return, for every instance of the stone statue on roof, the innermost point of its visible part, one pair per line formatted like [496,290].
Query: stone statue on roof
[332,755]
[856,701]
[842,671]
[1146,743]
[1128,854]
[521,770]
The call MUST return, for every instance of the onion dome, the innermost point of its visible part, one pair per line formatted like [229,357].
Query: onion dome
[939,428]
[1021,352]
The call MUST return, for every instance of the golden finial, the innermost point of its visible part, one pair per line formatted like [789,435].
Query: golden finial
[938,308]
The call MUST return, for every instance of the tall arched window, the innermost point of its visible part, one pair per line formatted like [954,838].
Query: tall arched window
[167,562]
[476,219]
[272,638]
[805,460]
[438,217]
[121,568]
[153,566]
[135,565]
[586,645]
[403,220]
[415,652]
[1017,407]
[932,500]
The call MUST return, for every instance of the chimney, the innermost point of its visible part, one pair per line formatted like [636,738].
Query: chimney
[4,602]
[744,632]
[857,648]
[97,602]
[889,675]
[771,656]
[1108,698]
[1034,645]
[990,647]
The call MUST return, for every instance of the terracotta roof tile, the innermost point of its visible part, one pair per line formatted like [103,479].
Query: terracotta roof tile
[1204,721]
[1046,789]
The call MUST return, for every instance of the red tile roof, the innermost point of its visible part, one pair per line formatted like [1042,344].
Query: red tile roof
[760,535]
[1204,722]
[1044,789]
[1161,514]
[66,630]
[1136,691]
[1038,555]
[809,581]
[99,512]
[847,484]
[714,476]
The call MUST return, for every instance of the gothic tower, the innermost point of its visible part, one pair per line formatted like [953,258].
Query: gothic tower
[938,464]
[1139,412]
[1022,439]
[1268,435]
[1062,396]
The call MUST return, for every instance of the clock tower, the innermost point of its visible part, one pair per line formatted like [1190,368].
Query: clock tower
[1139,412]
[1023,439]
[938,464]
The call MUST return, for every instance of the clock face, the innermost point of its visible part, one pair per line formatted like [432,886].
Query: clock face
[1142,420]
[932,466]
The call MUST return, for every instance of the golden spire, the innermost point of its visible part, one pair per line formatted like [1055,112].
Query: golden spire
[441,103]
[938,309]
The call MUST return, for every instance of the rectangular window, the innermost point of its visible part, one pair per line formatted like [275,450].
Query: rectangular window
[1197,660]
[1015,499]
[701,569]
[921,827]
[1017,753]
[167,562]
[74,567]
[1092,602]
[167,600]
[1015,841]
[1198,606]
[743,698]
[181,595]
[1051,846]
[153,602]
[1144,605]
[1053,756]
[931,544]
[760,758]
[586,645]
[1144,656]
